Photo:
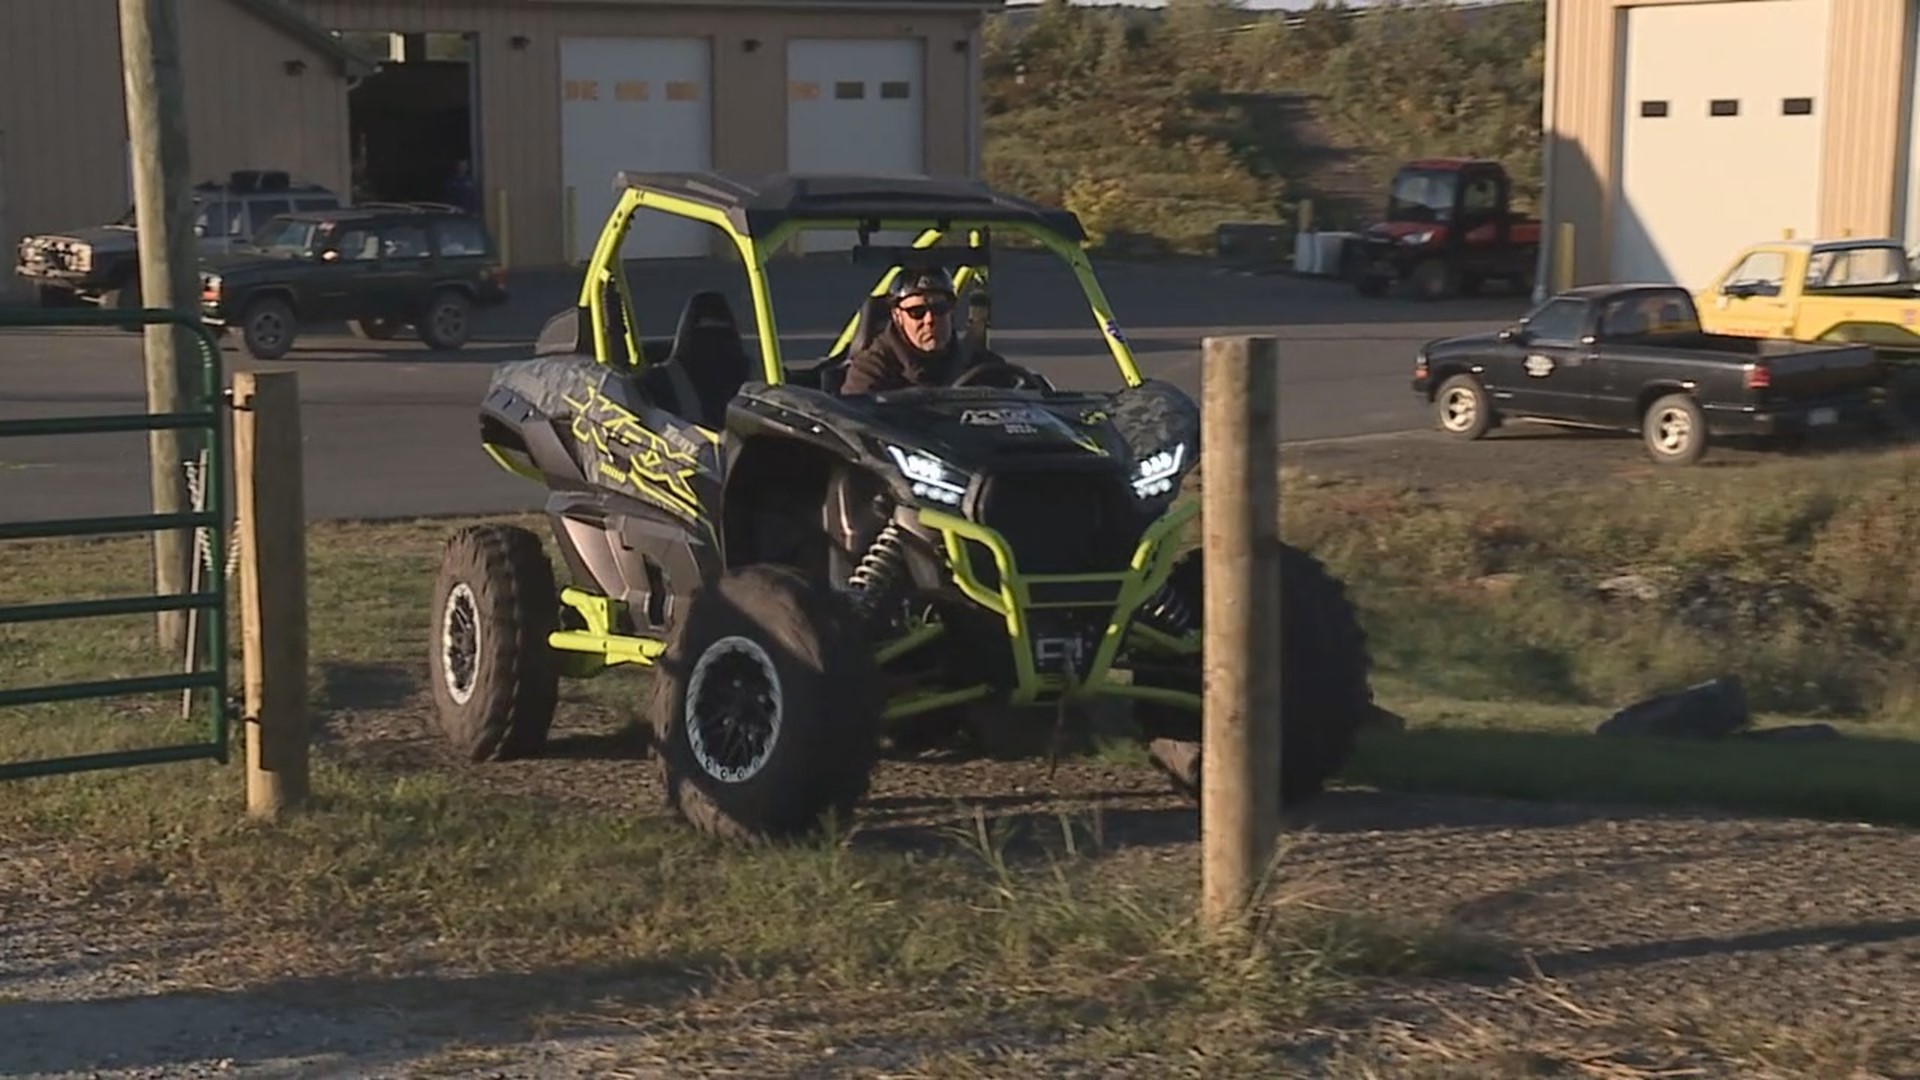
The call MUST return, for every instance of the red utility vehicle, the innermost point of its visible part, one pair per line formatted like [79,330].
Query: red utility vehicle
[1449,227]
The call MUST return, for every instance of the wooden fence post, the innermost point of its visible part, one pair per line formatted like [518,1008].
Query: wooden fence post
[271,515]
[1240,738]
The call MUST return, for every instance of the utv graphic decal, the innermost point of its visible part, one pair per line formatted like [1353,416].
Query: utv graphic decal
[1539,366]
[1113,330]
[654,466]
[1014,421]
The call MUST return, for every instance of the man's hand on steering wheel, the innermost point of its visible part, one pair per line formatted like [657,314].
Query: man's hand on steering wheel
[1002,374]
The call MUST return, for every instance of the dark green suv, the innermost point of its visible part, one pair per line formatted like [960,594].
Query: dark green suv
[377,266]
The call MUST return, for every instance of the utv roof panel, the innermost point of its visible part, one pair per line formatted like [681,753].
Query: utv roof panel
[757,204]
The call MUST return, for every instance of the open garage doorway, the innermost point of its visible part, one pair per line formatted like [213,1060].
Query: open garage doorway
[414,122]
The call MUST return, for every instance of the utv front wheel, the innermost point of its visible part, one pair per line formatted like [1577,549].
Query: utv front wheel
[495,678]
[765,708]
[1324,669]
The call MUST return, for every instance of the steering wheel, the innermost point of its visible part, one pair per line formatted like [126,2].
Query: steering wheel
[1018,378]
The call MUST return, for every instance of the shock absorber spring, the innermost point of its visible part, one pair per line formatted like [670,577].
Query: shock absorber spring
[880,568]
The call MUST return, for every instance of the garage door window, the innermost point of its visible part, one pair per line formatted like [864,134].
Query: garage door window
[1723,107]
[1796,106]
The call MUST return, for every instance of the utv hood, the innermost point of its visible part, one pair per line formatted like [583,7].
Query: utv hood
[993,425]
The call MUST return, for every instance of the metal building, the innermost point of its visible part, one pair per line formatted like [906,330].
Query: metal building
[549,99]
[1679,131]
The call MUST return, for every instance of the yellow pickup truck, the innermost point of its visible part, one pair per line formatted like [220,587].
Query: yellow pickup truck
[1859,291]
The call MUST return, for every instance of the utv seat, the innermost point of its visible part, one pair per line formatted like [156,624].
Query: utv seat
[706,365]
[873,317]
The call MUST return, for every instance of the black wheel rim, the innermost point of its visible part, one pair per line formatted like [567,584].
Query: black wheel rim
[460,643]
[733,710]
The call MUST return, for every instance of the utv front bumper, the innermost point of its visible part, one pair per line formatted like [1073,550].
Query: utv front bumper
[1055,658]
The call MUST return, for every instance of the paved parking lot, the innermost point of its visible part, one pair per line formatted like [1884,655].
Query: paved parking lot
[389,426]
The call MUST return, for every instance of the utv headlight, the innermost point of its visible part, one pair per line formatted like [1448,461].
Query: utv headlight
[1415,239]
[930,477]
[1155,475]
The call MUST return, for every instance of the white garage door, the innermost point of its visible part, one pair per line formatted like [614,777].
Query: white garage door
[1720,146]
[641,104]
[856,106]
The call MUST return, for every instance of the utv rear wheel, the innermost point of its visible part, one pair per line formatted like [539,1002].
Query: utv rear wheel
[495,678]
[447,321]
[766,710]
[1324,669]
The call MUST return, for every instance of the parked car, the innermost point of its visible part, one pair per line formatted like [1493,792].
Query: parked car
[1449,227]
[1634,358]
[1861,291]
[378,266]
[101,264]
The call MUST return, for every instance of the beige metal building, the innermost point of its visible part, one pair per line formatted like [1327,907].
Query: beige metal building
[1679,131]
[561,94]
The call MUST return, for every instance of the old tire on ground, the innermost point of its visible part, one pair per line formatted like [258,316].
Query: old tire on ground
[1675,430]
[495,678]
[448,320]
[1461,408]
[766,708]
[1326,696]
[267,327]
[374,329]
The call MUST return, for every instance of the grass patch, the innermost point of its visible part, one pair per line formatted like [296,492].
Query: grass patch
[1508,622]
[405,859]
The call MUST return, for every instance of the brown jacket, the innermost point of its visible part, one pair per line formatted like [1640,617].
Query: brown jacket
[889,363]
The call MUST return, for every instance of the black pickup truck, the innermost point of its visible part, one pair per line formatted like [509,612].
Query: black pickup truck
[1633,358]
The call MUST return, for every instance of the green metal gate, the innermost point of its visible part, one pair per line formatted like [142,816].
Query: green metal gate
[210,600]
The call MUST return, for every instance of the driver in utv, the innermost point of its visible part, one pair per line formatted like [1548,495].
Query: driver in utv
[919,347]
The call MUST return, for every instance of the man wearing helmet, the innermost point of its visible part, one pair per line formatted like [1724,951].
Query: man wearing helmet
[919,346]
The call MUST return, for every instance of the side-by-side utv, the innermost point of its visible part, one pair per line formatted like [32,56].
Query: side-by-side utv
[800,570]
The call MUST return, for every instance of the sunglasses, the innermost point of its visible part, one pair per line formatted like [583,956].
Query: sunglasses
[921,311]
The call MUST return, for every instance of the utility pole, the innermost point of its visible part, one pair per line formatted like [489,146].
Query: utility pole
[163,208]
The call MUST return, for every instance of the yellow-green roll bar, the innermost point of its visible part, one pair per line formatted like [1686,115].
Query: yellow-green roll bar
[604,266]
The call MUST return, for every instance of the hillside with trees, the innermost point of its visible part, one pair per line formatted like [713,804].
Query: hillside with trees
[1157,125]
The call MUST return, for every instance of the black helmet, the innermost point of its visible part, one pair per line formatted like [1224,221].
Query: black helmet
[919,281]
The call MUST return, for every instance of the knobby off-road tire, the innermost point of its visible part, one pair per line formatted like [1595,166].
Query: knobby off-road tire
[495,678]
[1326,696]
[766,708]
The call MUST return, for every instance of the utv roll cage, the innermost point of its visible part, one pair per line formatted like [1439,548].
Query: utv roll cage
[760,214]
